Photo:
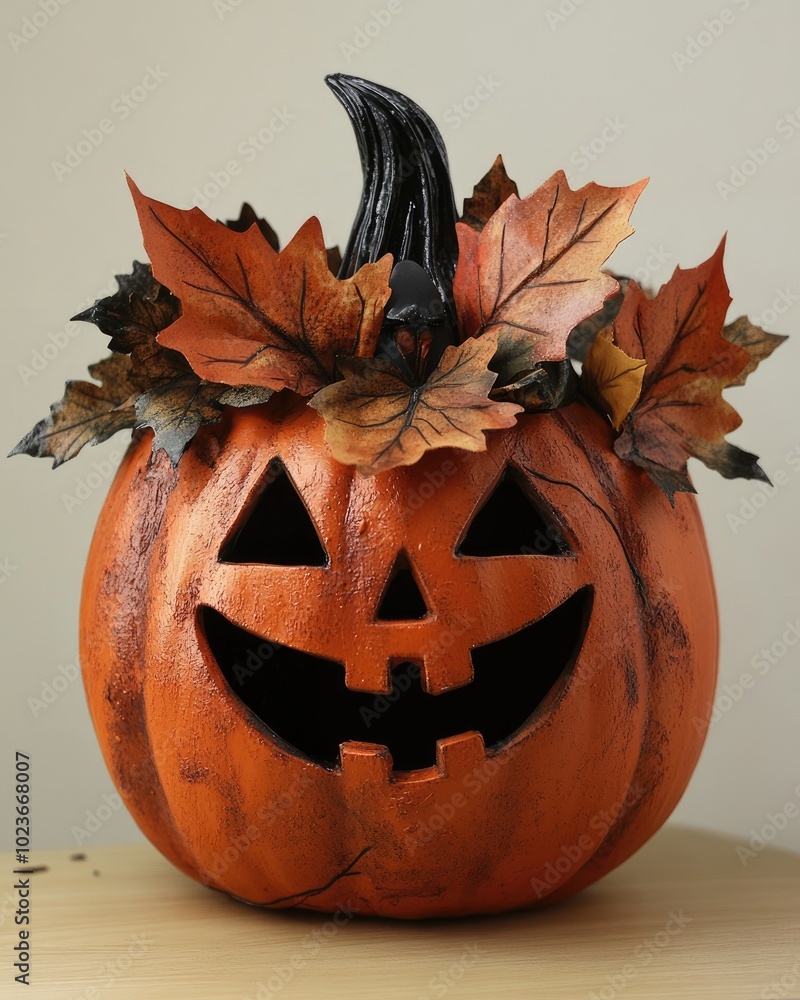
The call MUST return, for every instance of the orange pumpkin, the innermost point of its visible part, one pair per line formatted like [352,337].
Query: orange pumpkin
[318,689]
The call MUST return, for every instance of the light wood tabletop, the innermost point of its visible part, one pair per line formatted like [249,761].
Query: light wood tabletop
[683,918]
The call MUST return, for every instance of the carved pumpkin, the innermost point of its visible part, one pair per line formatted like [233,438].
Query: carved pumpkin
[343,647]
[533,766]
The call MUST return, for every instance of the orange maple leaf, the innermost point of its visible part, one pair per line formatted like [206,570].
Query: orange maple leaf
[681,412]
[252,316]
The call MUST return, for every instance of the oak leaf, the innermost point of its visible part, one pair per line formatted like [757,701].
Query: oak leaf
[488,195]
[377,420]
[251,316]
[611,379]
[535,266]
[681,412]
[87,413]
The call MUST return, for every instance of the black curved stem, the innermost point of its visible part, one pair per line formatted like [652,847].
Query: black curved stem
[407,205]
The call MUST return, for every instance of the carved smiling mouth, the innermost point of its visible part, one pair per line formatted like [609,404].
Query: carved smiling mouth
[305,704]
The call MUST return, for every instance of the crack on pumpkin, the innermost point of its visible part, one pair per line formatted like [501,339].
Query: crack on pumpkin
[598,507]
[298,898]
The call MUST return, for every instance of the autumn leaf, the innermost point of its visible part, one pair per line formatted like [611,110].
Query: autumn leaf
[488,195]
[535,266]
[178,408]
[87,413]
[681,412]
[134,315]
[610,379]
[535,385]
[170,397]
[757,342]
[142,385]
[377,420]
[251,316]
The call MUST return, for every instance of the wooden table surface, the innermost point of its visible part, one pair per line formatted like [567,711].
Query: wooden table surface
[683,918]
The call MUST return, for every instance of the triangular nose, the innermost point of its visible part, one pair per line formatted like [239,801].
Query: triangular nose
[402,600]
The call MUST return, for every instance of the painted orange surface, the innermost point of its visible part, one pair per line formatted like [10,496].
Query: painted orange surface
[589,778]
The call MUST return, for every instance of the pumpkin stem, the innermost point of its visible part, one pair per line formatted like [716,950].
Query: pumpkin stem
[407,204]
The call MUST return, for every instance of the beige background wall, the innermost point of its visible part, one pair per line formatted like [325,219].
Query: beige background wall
[559,75]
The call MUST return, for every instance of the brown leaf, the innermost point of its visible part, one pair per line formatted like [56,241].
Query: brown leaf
[757,342]
[178,408]
[251,316]
[681,412]
[488,195]
[535,266]
[377,420]
[86,414]
[610,379]
[134,315]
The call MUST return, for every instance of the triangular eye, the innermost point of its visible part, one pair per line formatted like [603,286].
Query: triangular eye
[402,600]
[276,528]
[511,523]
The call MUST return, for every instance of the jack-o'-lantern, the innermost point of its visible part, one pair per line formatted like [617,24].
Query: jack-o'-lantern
[443,641]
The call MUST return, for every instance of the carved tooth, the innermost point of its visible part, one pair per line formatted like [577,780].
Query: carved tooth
[365,762]
[457,755]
